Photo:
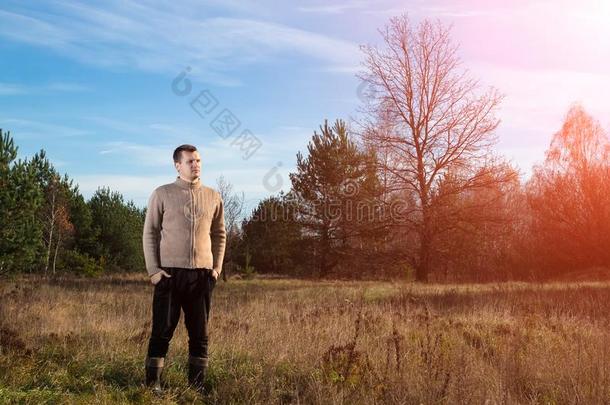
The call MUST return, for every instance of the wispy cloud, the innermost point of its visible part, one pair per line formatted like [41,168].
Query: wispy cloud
[15,89]
[336,8]
[537,99]
[453,12]
[137,36]
[213,154]
[22,28]
[536,103]
[26,128]
[120,126]
[65,87]
[10,89]
[135,188]
[159,131]
[139,187]
[219,158]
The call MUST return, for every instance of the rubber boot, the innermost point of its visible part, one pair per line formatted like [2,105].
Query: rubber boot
[154,368]
[197,369]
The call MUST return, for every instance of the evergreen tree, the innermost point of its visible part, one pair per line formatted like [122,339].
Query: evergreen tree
[119,226]
[336,187]
[272,238]
[20,200]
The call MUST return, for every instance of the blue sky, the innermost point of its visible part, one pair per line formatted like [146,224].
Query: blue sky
[91,83]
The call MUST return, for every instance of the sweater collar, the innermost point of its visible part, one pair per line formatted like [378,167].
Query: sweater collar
[187,185]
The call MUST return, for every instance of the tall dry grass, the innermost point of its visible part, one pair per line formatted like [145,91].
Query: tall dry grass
[292,341]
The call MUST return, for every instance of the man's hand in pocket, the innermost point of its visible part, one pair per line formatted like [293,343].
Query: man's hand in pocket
[155,278]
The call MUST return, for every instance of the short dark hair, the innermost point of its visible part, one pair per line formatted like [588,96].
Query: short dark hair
[179,149]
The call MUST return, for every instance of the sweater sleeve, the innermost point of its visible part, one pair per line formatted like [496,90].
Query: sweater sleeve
[218,235]
[151,237]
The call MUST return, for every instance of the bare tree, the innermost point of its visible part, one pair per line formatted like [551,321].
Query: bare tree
[233,210]
[430,119]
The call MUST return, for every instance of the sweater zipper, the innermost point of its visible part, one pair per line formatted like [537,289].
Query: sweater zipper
[192,229]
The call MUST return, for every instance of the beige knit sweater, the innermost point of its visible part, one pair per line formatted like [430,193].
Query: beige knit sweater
[184,227]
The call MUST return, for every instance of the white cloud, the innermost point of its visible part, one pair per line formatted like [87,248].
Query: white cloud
[219,158]
[38,129]
[120,126]
[160,155]
[136,188]
[139,187]
[536,103]
[31,30]
[138,36]
[65,87]
[336,8]
[539,98]
[11,89]
[143,154]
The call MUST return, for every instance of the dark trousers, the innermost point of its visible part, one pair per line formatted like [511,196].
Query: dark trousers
[191,291]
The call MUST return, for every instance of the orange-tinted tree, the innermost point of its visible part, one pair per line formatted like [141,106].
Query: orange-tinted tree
[476,228]
[570,198]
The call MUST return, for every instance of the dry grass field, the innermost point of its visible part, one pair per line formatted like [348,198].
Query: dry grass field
[274,341]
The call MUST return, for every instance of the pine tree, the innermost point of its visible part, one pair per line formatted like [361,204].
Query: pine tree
[20,199]
[119,227]
[271,238]
[336,187]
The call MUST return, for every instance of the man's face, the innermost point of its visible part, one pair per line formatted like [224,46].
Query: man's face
[189,166]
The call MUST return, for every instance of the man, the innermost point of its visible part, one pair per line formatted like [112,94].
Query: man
[184,243]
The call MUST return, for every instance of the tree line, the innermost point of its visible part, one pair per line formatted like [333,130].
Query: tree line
[47,227]
[342,218]
[413,189]
[416,189]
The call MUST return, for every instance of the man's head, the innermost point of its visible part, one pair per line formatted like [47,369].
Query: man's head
[187,162]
